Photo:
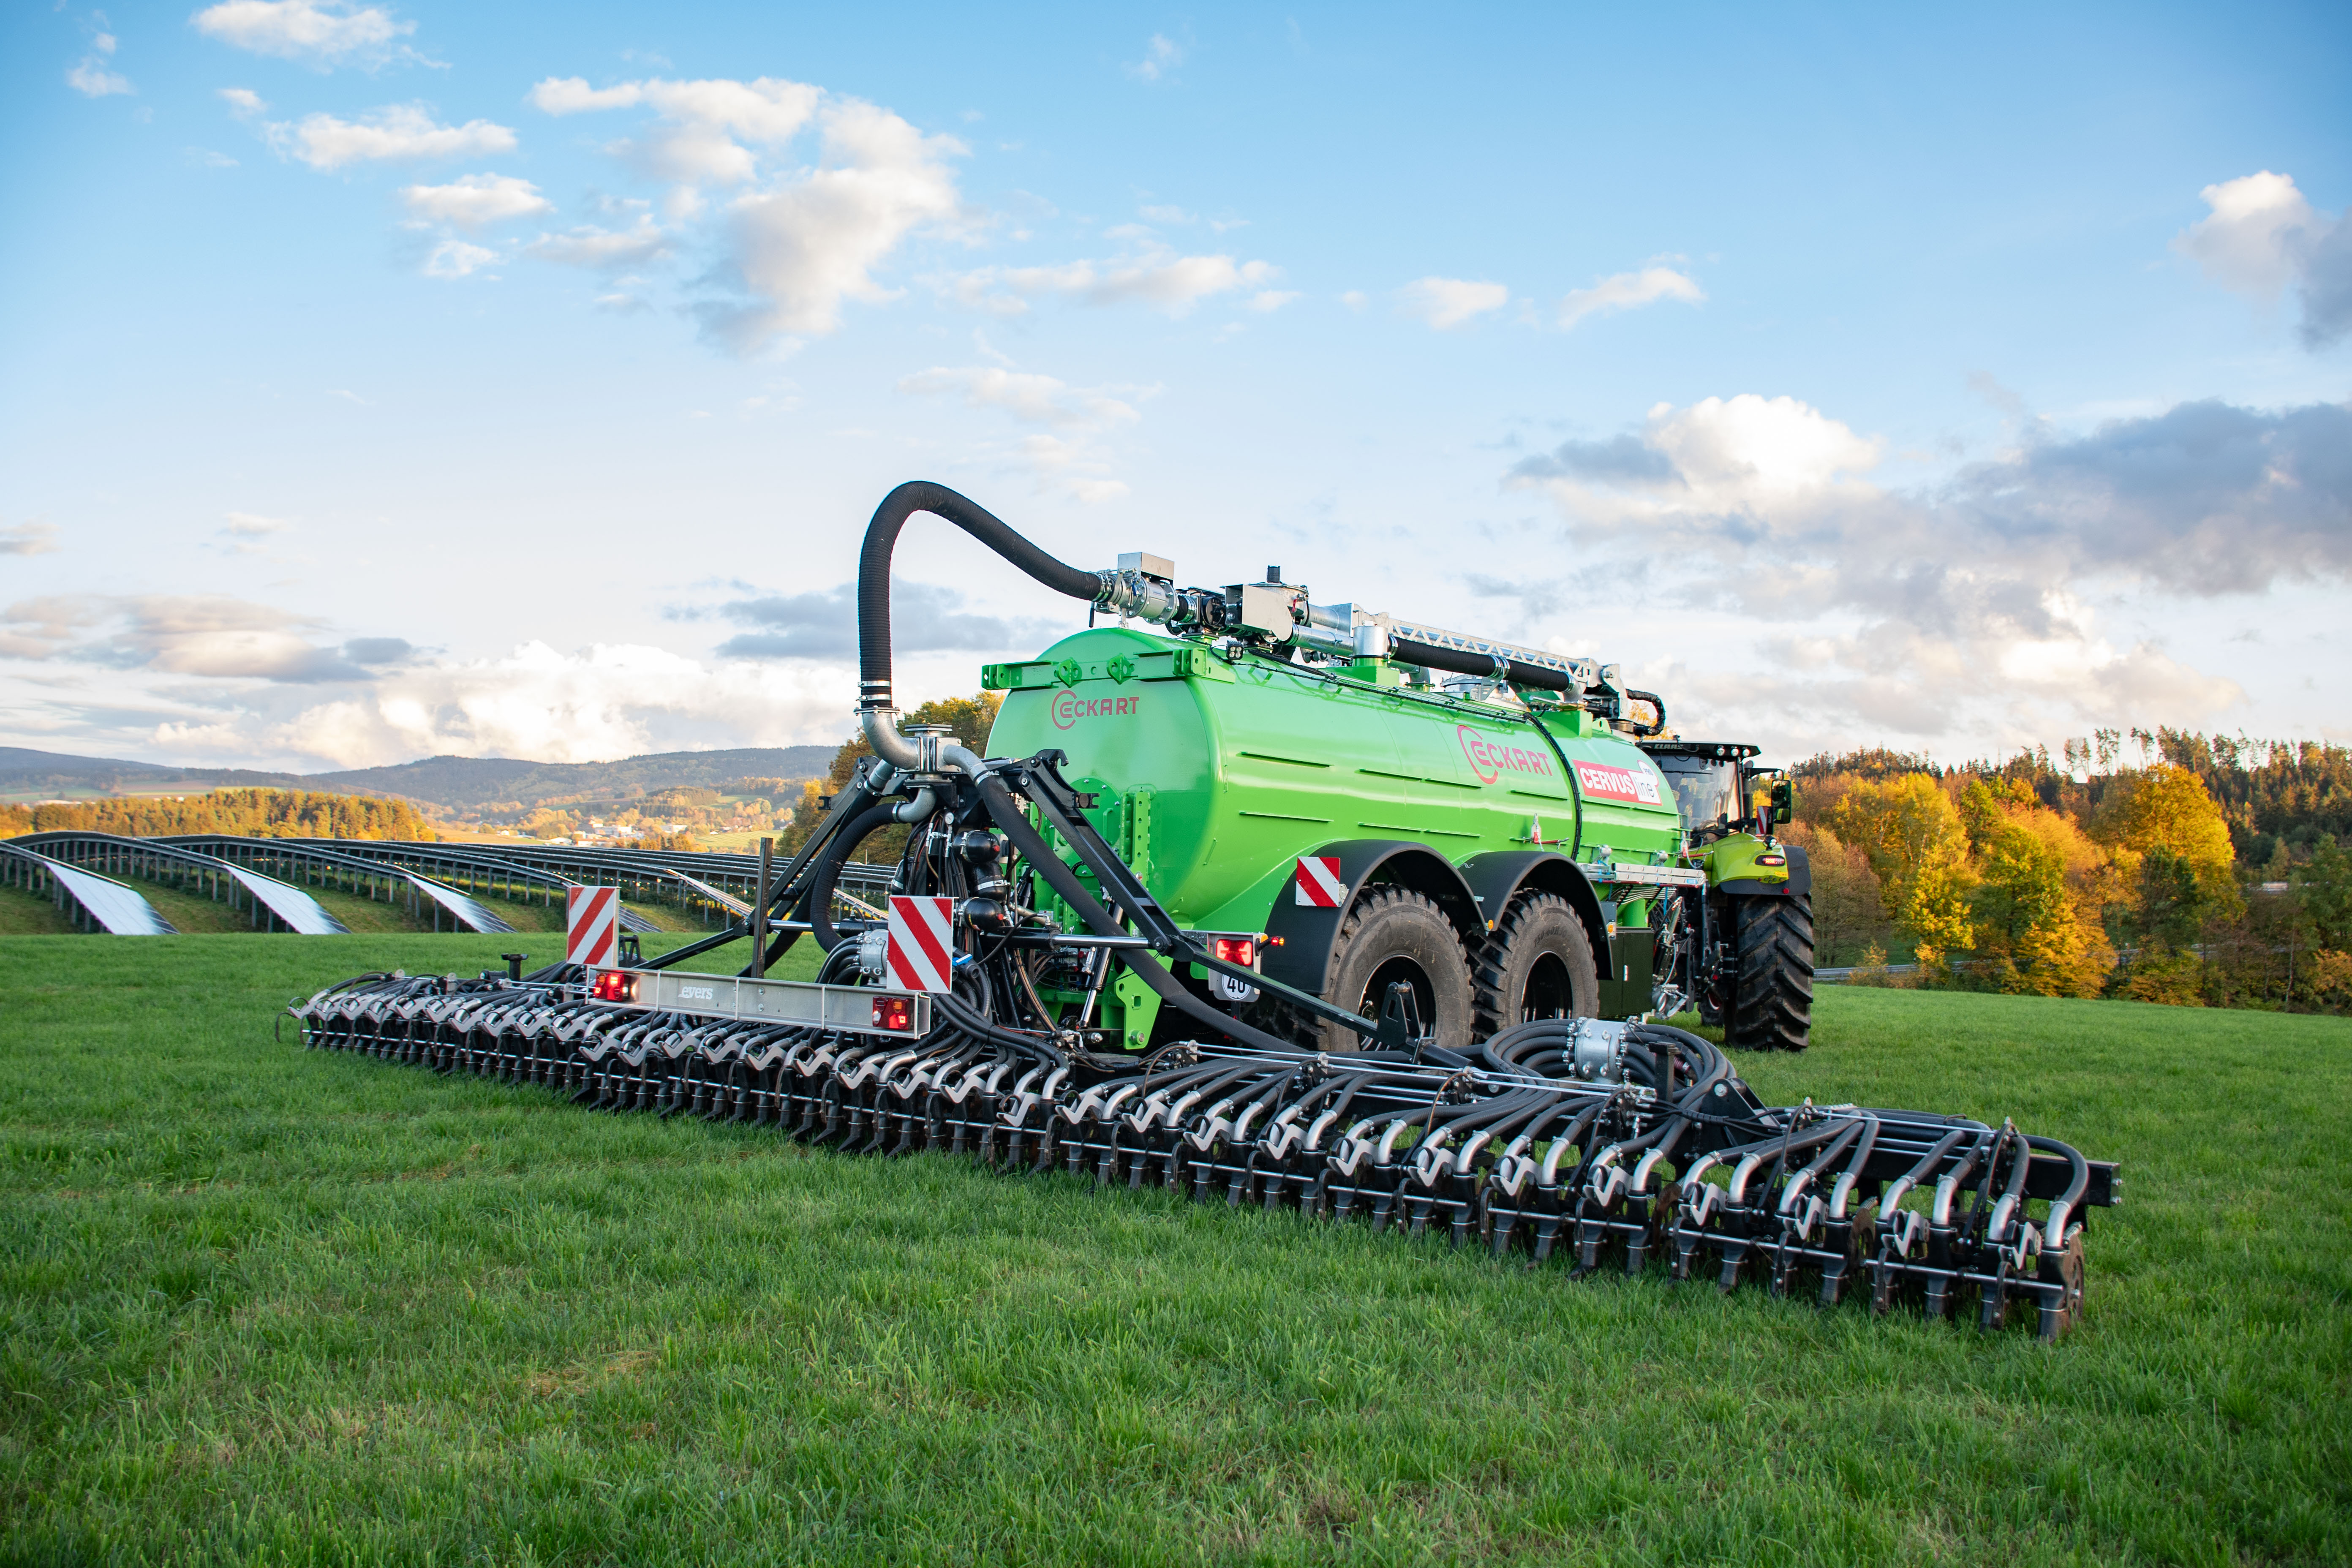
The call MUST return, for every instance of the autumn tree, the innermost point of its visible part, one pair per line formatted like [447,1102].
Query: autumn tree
[968,718]
[245,812]
[2038,895]
[1912,834]
[1848,903]
[2169,808]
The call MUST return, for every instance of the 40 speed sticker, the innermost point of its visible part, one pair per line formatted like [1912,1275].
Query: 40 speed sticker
[1605,781]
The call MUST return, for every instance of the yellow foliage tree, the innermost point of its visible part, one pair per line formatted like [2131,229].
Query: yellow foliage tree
[2165,807]
[1913,835]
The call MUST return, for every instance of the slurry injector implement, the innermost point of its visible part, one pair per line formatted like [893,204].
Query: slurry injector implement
[1289,904]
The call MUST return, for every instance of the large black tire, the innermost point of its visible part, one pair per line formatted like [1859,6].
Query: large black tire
[1769,1001]
[1393,934]
[1538,965]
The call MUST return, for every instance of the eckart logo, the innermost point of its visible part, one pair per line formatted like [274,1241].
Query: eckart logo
[1605,782]
[1490,760]
[1069,708]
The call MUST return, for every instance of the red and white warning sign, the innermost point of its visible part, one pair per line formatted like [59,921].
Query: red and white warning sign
[1319,887]
[1603,781]
[922,955]
[592,922]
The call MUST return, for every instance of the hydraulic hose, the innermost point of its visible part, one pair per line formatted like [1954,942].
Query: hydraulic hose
[976,1024]
[1655,726]
[1015,826]
[874,572]
[819,902]
[1491,666]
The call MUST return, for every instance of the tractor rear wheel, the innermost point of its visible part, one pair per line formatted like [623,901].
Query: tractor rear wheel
[1765,998]
[1392,934]
[1538,965]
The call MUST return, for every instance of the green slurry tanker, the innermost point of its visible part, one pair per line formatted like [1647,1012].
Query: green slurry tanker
[1500,849]
[1295,904]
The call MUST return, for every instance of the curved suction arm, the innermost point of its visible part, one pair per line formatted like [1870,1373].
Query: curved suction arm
[874,582]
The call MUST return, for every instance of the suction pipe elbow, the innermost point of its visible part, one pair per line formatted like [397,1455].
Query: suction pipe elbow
[881,727]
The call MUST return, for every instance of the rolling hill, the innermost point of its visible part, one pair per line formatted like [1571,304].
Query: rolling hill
[465,784]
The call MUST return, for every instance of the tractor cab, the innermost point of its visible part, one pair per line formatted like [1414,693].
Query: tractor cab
[1718,790]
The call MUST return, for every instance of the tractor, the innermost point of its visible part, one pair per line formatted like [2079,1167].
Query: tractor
[1741,948]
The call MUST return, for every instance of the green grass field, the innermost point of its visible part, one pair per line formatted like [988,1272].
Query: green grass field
[268,1306]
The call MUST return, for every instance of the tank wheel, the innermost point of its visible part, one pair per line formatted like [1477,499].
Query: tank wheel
[1765,998]
[1538,965]
[1392,934]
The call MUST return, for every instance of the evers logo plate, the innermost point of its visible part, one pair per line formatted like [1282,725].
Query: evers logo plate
[1603,781]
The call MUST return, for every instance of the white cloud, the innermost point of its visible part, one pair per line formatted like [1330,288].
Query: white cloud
[1034,399]
[810,244]
[2263,235]
[1079,468]
[456,258]
[1757,453]
[28,538]
[801,241]
[1449,302]
[589,246]
[252,525]
[205,158]
[1069,460]
[572,95]
[400,131]
[243,101]
[92,79]
[2247,241]
[475,201]
[205,635]
[1157,277]
[701,126]
[1626,291]
[1967,605]
[1167,215]
[603,703]
[1160,56]
[1270,300]
[315,32]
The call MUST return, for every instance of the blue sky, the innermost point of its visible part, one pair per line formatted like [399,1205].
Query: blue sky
[396,379]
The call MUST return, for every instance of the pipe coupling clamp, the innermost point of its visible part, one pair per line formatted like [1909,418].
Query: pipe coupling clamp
[1146,598]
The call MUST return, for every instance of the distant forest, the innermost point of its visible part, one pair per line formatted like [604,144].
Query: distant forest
[249,813]
[2270,793]
[2207,871]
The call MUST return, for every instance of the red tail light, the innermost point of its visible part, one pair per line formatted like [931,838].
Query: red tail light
[895,1013]
[1772,859]
[1240,949]
[614,985]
